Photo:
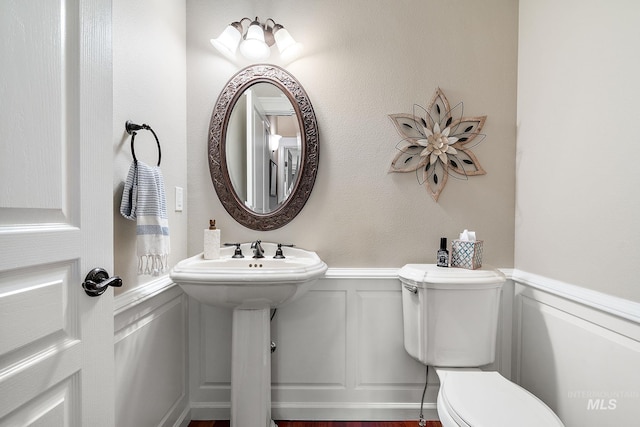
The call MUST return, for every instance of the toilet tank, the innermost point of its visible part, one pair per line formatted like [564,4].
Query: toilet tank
[450,314]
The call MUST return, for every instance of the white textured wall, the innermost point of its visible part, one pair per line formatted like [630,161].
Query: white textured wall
[149,86]
[362,61]
[577,193]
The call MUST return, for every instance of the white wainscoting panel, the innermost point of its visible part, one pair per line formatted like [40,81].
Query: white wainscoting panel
[578,351]
[150,345]
[310,355]
[340,353]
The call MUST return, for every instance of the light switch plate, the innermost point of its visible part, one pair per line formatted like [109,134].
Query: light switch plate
[179,199]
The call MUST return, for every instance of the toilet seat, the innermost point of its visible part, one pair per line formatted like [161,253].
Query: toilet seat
[487,399]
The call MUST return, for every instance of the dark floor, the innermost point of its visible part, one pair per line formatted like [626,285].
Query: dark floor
[325,424]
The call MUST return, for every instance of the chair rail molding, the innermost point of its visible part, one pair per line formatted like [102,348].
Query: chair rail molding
[140,294]
[610,304]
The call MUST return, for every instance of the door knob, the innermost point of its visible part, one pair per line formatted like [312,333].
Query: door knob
[98,280]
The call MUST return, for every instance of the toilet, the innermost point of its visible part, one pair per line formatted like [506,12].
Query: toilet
[450,318]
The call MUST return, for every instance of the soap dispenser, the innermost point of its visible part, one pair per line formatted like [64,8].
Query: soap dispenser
[443,253]
[212,241]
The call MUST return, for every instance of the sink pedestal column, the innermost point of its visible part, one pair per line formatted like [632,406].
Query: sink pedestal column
[251,367]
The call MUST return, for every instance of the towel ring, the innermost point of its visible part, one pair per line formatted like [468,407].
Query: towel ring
[131,129]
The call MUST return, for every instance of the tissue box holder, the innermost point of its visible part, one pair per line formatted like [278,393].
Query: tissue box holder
[466,254]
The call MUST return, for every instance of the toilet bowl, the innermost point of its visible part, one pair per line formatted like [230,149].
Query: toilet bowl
[477,398]
[450,319]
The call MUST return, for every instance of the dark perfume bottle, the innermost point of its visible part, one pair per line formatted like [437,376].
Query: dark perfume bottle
[443,253]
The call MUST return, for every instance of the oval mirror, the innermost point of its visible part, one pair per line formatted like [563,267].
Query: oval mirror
[263,147]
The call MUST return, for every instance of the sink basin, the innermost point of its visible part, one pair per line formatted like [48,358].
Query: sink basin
[248,282]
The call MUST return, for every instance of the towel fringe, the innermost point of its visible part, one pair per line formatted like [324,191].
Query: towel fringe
[153,264]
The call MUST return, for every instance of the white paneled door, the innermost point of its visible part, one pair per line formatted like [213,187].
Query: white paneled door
[56,342]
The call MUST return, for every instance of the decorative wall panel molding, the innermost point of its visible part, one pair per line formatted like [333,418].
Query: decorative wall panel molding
[150,347]
[340,353]
[577,350]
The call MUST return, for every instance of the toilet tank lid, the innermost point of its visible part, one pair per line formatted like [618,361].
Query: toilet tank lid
[431,274]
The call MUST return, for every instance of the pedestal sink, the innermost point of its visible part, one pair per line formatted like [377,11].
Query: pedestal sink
[251,287]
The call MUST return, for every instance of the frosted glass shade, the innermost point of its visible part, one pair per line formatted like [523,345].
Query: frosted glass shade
[274,142]
[287,46]
[228,41]
[254,47]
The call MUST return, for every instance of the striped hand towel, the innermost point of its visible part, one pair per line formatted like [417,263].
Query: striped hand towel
[144,201]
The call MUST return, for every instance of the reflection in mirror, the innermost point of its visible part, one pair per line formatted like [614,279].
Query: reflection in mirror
[263,145]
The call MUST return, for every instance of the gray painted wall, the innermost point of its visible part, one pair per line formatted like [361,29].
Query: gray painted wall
[362,61]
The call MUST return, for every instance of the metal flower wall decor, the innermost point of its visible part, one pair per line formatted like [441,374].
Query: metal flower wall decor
[437,142]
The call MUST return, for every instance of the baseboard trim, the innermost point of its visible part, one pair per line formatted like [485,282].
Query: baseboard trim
[184,418]
[620,307]
[355,411]
[324,411]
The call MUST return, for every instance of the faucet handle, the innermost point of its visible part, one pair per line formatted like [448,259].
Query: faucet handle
[279,254]
[238,251]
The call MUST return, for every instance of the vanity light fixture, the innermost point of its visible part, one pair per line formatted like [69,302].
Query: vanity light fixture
[274,142]
[255,44]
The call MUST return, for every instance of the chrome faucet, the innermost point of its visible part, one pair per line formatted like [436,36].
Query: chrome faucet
[258,252]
